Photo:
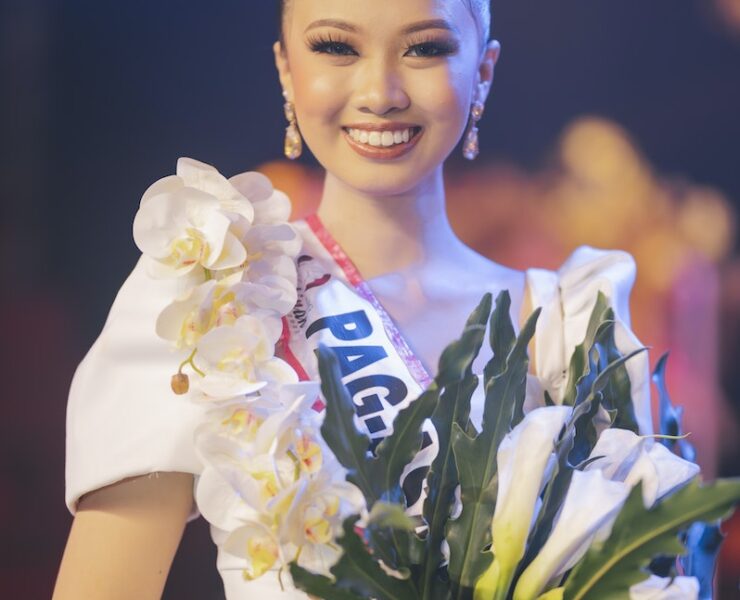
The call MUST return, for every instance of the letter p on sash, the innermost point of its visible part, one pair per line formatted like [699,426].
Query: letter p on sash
[348,326]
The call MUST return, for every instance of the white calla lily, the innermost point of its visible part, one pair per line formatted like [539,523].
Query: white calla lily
[665,588]
[625,456]
[522,459]
[590,507]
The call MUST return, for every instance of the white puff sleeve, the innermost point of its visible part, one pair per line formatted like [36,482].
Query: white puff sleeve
[567,297]
[123,419]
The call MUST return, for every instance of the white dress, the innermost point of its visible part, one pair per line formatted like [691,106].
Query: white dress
[123,419]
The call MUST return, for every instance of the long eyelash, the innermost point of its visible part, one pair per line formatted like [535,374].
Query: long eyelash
[444,47]
[321,42]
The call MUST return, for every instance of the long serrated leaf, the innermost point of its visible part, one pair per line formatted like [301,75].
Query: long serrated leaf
[579,365]
[476,464]
[349,445]
[399,448]
[617,395]
[458,385]
[356,572]
[319,586]
[639,534]
[501,336]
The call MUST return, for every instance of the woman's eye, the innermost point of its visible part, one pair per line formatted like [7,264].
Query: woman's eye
[335,48]
[430,49]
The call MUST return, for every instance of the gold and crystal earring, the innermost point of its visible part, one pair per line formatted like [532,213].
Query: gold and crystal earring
[470,147]
[293,144]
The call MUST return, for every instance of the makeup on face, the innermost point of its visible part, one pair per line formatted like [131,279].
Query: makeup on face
[382,91]
[382,140]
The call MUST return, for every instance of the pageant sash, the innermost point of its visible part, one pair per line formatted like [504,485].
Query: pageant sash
[337,308]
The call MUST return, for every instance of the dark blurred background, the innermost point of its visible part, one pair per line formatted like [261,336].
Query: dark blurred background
[611,123]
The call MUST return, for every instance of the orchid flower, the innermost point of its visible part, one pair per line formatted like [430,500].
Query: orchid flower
[185,222]
[239,359]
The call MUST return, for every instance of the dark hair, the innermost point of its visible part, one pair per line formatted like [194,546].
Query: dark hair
[281,17]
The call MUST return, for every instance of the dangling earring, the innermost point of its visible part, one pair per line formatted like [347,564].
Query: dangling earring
[293,144]
[470,147]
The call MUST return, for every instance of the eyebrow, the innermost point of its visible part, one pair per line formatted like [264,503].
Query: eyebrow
[413,28]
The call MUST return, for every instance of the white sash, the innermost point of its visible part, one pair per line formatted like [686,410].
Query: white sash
[337,308]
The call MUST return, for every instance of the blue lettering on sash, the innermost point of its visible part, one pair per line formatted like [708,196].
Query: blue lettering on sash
[354,358]
[365,405]
[367,392]
[347,326]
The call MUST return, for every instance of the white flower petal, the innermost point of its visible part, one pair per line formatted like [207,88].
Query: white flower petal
[232,254]
[665,588]
[526,449]
[254,186]
[591,504]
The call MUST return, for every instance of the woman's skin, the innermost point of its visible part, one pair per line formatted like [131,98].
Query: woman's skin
[388,214]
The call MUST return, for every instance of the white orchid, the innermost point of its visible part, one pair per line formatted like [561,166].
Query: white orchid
[523,458]
[625,456]
[665,588]
[219,303]
[239,359]
[269,487]
[185,222]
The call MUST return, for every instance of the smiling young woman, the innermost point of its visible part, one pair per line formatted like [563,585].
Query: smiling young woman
[381,93]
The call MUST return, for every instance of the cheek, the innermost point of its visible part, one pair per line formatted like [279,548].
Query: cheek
[443,96]
[318,92]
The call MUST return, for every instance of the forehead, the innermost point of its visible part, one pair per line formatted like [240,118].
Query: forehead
[373,16]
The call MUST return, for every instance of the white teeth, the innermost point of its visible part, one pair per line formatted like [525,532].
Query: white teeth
[380,138]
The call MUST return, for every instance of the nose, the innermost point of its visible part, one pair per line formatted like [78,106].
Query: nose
[379,88]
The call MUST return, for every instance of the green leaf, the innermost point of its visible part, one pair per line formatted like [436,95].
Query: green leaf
[384,514]
[319,586]
[501,336]
[458,383]
[400,447]
[670,416]
[470,533]
[349,445]
[357,573]
[580,361]
[639,534]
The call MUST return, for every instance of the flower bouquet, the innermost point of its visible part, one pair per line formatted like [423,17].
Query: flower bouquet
[561,502]
[558,501]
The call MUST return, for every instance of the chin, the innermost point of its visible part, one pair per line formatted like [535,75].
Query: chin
[383,178]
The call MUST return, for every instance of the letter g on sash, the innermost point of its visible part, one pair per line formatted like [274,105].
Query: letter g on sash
[348,326]
[369,404]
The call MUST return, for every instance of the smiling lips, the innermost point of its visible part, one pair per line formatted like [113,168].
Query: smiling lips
[386,141]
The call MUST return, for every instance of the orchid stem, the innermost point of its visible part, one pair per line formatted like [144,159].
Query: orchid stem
[189,361]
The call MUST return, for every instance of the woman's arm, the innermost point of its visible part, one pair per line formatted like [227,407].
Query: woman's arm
[124,537]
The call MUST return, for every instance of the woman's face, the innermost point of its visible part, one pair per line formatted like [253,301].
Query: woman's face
[382,89]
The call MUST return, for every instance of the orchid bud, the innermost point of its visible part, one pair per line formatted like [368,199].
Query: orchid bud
[180,383]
